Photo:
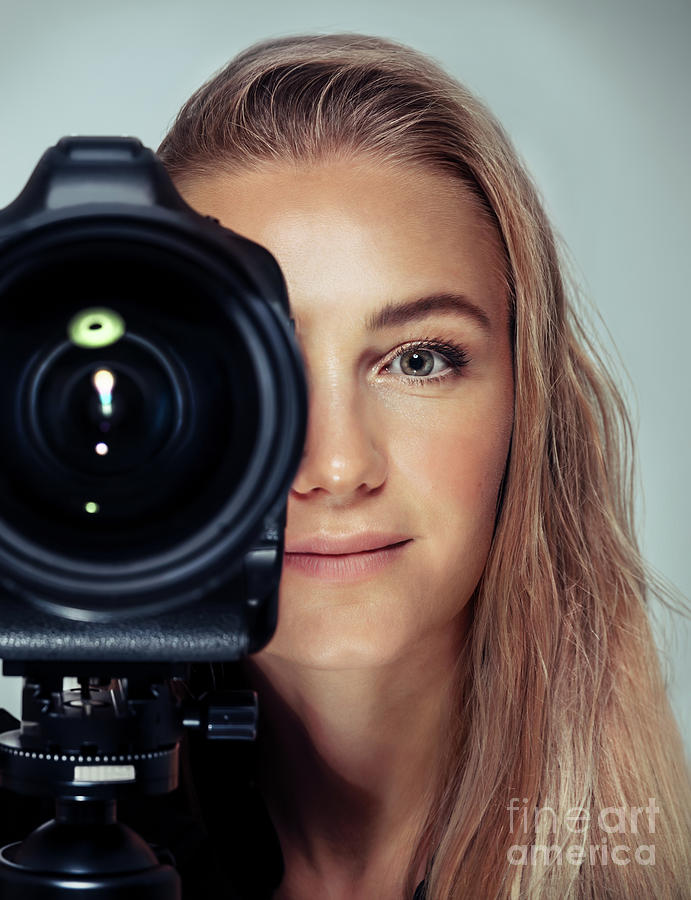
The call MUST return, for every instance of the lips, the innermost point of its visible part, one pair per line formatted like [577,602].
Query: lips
[343,559]
[343,545]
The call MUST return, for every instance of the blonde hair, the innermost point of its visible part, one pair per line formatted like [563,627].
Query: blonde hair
[560,702]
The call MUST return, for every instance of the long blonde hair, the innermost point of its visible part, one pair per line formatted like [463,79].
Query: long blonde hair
[561,726]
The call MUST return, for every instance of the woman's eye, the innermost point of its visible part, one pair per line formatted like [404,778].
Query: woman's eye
[419,363]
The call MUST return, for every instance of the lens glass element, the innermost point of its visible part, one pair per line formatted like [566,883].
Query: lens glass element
[129,410]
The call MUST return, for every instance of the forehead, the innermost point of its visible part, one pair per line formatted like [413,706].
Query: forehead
[361,234]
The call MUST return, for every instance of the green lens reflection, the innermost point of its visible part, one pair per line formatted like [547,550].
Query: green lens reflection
[97,326]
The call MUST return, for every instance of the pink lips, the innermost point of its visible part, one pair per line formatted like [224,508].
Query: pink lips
[343,558]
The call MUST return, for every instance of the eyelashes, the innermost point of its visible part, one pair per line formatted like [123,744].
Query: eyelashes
[430,360]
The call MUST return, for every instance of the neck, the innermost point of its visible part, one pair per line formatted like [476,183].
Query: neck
[348,758]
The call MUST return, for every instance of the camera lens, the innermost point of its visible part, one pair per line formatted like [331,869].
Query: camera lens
[136,427]
[151,414]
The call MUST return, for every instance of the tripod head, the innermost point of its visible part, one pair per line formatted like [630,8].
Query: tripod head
[86,746]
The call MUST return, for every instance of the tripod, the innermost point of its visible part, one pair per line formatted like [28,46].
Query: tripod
[120,730]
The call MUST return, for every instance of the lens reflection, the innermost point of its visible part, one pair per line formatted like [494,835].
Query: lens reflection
[104,381]
[133,396]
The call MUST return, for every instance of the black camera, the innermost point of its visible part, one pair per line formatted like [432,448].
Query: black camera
[152,416]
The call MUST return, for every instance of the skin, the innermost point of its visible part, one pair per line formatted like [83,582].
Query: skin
[355,683]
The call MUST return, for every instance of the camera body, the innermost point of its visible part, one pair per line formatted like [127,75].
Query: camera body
[152,417]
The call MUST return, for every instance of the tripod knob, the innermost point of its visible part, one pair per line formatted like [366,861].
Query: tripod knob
[228,716]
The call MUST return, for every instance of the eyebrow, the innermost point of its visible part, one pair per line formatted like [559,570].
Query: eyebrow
[412,310]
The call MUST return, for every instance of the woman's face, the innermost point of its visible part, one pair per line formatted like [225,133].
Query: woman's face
[396,288]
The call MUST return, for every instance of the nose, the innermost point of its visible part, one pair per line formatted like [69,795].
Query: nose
[344,455]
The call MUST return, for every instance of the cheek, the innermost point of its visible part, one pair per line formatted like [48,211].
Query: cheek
[452,461]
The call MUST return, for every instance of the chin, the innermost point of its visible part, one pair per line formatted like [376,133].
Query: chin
[333,648]
[366,626]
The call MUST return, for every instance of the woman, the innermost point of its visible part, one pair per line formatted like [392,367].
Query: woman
[462,698]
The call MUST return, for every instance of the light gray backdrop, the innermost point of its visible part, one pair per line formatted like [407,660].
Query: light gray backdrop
[593,92]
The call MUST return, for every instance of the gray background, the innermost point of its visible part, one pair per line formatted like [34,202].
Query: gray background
[594,94]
